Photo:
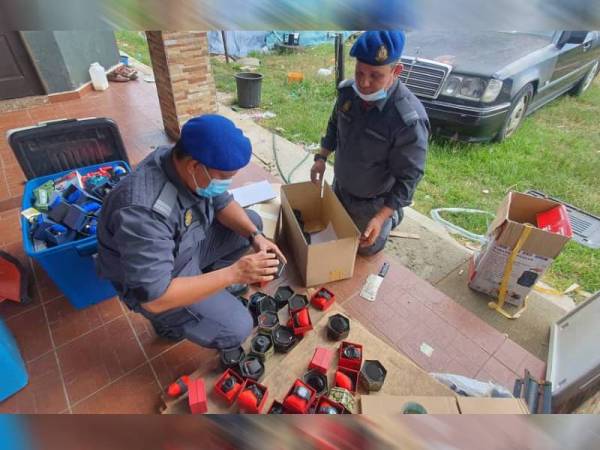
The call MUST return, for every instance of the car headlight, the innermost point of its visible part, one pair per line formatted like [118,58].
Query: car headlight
[492,91]
[472,88]
[452,85]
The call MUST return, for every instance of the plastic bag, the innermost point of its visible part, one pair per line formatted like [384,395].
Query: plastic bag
[469,387]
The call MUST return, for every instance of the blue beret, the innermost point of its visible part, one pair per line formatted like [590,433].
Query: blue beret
[215,141]
[378,48]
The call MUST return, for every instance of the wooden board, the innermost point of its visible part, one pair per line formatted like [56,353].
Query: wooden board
[403,376]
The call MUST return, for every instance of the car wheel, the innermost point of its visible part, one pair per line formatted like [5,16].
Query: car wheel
[516,113]
[586,82]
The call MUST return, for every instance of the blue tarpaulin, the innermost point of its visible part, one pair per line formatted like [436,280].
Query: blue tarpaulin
[239,43]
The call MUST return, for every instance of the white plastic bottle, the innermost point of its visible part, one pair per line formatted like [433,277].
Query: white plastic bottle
[98,75]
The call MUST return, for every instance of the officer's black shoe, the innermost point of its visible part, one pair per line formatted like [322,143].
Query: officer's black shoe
[171,333]
[237,289]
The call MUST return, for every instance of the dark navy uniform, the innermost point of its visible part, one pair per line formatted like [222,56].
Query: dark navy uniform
[153,229]
[380,154]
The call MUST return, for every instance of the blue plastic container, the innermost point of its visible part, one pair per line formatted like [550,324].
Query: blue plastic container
[13,375]
[70,265]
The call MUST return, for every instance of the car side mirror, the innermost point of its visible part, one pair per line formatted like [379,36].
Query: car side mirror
[572,37]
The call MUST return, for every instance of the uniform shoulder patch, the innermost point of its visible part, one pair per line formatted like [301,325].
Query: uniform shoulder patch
[345,83]
[406,111]
[166,200]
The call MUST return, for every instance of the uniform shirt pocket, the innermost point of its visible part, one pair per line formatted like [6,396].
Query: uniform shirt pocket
[376,146]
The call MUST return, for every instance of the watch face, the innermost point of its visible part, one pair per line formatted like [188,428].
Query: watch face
[351,352]
[316,381]
[228,384]
[302,392]
[327,410]
[262,343]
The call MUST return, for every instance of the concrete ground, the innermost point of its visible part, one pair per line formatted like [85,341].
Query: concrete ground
[436,256]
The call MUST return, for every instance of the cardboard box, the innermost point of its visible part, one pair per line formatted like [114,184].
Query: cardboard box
[197,396]
[318,263]
[391,405]
[487,267]
[474,405]
[321,360]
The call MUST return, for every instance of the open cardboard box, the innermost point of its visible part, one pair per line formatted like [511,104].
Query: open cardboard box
[318,263]
[487,267]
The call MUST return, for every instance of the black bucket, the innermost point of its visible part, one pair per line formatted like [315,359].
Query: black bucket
[248,89]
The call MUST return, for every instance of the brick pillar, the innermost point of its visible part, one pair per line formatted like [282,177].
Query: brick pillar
[183,75]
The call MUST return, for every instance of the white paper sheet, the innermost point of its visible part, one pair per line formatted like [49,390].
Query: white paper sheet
[326,235]
[253,193]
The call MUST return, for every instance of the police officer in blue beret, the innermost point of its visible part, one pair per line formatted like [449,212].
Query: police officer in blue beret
[379,131]
[174,243]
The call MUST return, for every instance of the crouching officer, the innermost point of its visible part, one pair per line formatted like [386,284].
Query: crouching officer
[171,239]
[379,131]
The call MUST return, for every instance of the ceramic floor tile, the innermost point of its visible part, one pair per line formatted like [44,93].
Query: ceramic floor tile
[135,393]
[418,345]
[44,394]
[9,222]
[511,355]
[480,332]
[182,359]
[30,330]
[494,370]
[68,323]
[47,289]
[467,354]
[92,361]
[153,345]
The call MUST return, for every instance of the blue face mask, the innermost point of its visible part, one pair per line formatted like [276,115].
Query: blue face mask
[214,188]
[374,97]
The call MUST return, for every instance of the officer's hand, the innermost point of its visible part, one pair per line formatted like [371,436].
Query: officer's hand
[372,231]
[255,268]
[318,171]
[262,244]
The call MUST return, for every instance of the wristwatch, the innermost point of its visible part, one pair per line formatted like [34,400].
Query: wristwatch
[253,236]
[318,157]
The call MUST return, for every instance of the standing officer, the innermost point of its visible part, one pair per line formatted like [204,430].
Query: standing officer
[171,239]
[378,130]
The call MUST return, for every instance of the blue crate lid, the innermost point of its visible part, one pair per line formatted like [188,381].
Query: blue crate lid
[64,145]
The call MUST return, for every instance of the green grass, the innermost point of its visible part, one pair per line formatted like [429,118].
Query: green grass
[302,108]
[557,150]
[134,44]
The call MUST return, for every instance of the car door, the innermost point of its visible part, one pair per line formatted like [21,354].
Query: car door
[573,58]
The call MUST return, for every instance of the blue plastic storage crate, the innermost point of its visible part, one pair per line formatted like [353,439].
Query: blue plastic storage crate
[13,375]
[49,151]
[71,265]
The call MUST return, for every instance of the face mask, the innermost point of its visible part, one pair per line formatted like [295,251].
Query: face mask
[214,188]
[375,96]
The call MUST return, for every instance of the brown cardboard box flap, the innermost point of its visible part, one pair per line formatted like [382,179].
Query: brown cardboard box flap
[518,209]
[392,404]
[475,405]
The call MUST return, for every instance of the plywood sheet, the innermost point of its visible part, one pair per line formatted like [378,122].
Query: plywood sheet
[403,377]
